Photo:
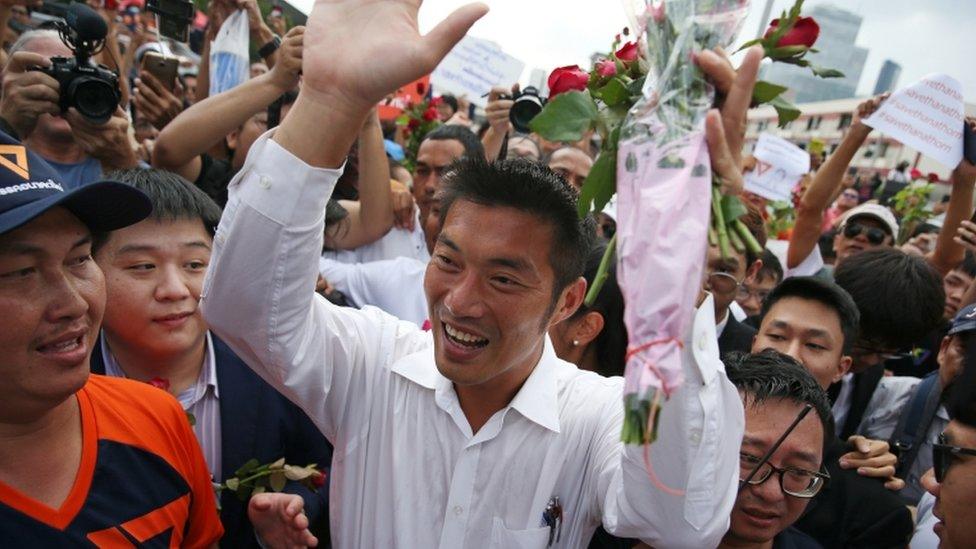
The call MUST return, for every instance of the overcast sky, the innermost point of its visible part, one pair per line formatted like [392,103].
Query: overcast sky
[922,36]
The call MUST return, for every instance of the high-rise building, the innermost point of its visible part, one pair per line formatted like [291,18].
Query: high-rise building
[838,50]
[888,77]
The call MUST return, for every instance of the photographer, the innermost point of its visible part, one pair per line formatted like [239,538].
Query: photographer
[498,111]
[78,149]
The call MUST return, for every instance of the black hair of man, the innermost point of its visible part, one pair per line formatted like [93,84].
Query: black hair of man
[900,296]
[450,101]
[824,292]
[771,268]
[611,343]
[531,188]
[771,375]
[173,198]
[968,264]
[472,145]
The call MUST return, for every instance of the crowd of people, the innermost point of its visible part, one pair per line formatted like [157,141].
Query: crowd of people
[205,285]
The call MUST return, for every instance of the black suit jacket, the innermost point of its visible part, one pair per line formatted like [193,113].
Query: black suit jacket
[258,422]
[855,511]
[864,385]
[735,337]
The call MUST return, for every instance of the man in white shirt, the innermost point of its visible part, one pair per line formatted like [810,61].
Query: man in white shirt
[465,436]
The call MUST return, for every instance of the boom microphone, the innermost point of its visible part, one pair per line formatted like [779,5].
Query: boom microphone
[87,25]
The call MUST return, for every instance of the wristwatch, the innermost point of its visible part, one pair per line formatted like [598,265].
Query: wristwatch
[271,47]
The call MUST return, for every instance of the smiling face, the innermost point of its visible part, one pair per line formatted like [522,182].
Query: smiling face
[490,295]
[810,332]
[763,511]
[154,274]
[52,295]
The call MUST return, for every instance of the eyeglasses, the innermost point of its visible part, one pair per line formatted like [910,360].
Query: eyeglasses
[943,454]
[723,283]
[874,235]
[798,483]
[745,293]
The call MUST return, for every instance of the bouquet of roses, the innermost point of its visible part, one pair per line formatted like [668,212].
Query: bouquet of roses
[417,121]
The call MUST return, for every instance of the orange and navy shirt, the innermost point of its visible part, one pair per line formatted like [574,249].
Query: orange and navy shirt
[142,482]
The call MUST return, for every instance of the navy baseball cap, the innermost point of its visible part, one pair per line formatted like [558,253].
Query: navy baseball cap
[29,186]
[965,320]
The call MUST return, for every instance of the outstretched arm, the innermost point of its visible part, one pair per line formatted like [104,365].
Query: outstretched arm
[948,252]
[810,212]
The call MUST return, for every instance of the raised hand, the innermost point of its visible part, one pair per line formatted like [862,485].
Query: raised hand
[109,143]
[357,51]
[867,108]
[158,104]
[288,66]
[725,128]
[27,94]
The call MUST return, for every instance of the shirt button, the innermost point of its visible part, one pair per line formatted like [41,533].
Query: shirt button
[265,182]
[458,510]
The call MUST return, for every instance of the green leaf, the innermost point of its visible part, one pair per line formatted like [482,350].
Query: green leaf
[278,481]
[613,93]
[233,484]
[567,117]
[786,52]
[826,73]
[299,473]
[749,44]
[732,208]
[600,184]
[259,490]
[278,464]
[764,92]
[636,87]
[787,111]
[248,466]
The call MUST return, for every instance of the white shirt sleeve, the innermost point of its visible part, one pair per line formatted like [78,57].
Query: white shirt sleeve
[259,295]
[810,265]
[697,453]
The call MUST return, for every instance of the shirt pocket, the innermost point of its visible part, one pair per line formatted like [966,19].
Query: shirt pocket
[503,538]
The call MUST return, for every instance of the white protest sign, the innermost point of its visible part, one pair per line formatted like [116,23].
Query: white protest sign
[473,67]
[926,116]
[779,167]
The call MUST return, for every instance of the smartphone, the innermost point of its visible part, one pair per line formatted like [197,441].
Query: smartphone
[162,67]
[969,143]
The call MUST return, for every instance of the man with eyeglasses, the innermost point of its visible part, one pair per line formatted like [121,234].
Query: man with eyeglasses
[724,277]
[775,389]
[753,292]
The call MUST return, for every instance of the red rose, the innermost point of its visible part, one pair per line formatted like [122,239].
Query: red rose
[413,124]
[318,480]
[804,33]
[628,52]
[430,114]
[566,79]
[421,89]
[606,67]
[915,174]
[933,177]
[436,101]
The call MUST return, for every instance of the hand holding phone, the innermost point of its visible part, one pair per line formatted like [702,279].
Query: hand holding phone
[163,68]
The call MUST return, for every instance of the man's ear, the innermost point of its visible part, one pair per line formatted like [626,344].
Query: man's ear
[753,269]
[844,367]
[588,328]
[233,138]
[570,300]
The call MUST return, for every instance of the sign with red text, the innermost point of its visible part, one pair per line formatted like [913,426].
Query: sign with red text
[927,116]
[404,98]
[779,166]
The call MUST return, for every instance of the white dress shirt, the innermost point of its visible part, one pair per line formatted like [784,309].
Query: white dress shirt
[925,520]
[394,285]
[408,471]
[202,400]
[395,243]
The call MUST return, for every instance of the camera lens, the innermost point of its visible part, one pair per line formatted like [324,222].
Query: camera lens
[94,98]
[527,106]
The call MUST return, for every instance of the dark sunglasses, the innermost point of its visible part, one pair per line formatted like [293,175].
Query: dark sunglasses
[943,454]
[875,235]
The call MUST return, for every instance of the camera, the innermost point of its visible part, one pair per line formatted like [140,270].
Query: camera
[93,90]
[528,104]
[173,17]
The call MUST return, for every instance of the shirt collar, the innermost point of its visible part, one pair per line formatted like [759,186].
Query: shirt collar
[208,374]
[536,400]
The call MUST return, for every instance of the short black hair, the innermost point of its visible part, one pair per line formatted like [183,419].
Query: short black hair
[450,101]
[173,198]
[472,145]
[532,188]
[968,264]
[824,292]
[900,296]
[771,267]
[611,344]
[771,375]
